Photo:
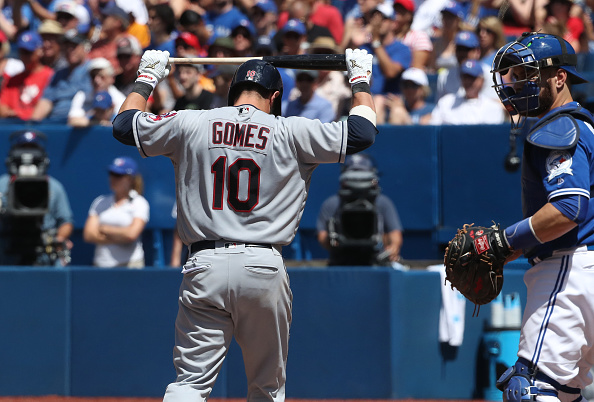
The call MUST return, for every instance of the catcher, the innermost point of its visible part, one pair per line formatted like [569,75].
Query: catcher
[557,335]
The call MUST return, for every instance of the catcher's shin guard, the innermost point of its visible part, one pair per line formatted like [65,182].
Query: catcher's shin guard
[517,384]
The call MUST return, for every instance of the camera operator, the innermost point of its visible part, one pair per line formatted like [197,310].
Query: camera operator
[359,225]
[35,214]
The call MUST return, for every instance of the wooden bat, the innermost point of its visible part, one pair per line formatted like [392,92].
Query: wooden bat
[329,62]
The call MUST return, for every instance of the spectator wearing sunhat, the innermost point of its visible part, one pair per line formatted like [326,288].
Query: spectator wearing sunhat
[115,25]
[331,85]
[444,46]
[83,110]
[412,107]
[308,103]
[66,82]
[20,93]
[52,33]
[418,42]
[116,221]
[469,105]
[467,47]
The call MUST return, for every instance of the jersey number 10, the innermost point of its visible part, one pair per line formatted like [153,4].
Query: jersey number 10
[231,176]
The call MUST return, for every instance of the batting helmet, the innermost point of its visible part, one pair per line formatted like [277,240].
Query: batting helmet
[257,72]
[533,52]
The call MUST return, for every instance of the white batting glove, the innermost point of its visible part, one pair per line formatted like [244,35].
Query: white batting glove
[154,67]
[359,64]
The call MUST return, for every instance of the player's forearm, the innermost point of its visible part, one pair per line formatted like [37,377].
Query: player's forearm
[134,101]
[549,223]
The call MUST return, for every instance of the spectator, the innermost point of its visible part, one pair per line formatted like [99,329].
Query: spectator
[264,14]
[188,45]
[300,10]
[527,15]
[359,225]
[66,82]
[356,29]
[116,221]
[331,85]
[412,107]
[162,25]
[469,106]
[222,17]
[93,108]
[309,104]
[222,77]
[5,61]
[444,48]
[115,23]
[190,21]
[138,13]
[264,46]
[21,93]
[325,15]
[195,97]
[222,47]
[72,15]
[560,22]
[42,237]
[294,37]
[391,58]
[491,38]
[243,41]
[428,16]
[418,41]
[128,52]
[467,47]
[52,33]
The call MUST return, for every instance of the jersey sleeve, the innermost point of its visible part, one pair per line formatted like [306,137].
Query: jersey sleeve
[317,142]
[565,172]
[158,134]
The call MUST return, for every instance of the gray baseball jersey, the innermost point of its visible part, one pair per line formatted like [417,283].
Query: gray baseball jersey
[241,174]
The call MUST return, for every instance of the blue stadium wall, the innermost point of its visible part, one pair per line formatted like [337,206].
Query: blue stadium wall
[357,332]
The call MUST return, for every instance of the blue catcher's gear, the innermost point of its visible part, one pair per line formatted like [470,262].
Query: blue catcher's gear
[533,52]
[257,72]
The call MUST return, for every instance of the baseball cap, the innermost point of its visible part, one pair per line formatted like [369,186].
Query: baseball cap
[100,63]
[117,12]
[66,7]
[72,36]
[128,45]
[453,7]
[467,39]
[264,43]
[361,162]
[472,68]
[50,27]
[30,41]
[27,137]
[386,9]
[268,6]
[294,25]
[415,75]
[223,69]
[224,42]
[123,165]
[311,73]
[189,39]
[102,100]
[409,5]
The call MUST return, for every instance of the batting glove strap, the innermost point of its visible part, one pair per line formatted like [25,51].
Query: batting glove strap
[148,79]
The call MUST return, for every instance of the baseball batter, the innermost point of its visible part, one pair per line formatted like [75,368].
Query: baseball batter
[557,336]
[242,175]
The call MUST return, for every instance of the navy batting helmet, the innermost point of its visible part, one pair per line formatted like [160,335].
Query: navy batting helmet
[257,72]
[533,52]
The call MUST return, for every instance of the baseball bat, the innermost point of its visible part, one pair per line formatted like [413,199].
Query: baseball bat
[329,62]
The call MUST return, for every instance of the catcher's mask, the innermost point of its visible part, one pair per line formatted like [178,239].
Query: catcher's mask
[257,72]
[533,52]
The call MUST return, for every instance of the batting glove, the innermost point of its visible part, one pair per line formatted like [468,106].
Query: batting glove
[359,64]
[154,67]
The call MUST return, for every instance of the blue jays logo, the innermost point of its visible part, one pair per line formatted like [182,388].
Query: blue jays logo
[558,163]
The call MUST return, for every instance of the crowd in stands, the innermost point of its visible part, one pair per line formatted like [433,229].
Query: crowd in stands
[73,61]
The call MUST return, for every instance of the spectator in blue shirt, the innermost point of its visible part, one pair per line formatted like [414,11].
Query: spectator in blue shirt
[162,25]
[223,17]
[309,104]
[57,97]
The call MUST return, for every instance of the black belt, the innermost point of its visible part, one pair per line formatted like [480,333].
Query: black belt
[211,244]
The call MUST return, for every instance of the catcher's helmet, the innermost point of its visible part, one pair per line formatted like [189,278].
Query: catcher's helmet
[258,72]
[532,51]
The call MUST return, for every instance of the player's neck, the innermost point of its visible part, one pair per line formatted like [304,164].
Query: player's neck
[255,101]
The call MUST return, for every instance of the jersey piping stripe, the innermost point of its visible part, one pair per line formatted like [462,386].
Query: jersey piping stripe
[551,305]
[135,132]
[341,144]
[569,191]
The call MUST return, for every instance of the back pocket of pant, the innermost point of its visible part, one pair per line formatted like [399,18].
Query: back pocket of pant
[262,269]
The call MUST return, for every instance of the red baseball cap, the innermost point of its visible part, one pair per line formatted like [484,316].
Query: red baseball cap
[409,5]
[189,39]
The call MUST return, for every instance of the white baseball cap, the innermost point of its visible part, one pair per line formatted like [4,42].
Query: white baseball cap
[100,63]
[415,75]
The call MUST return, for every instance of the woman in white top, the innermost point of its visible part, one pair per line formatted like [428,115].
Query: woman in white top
[116,221]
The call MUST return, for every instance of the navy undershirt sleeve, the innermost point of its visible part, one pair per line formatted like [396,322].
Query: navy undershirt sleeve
[122,127]
[361,134]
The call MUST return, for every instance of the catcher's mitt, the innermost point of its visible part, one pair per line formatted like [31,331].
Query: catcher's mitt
[474,262]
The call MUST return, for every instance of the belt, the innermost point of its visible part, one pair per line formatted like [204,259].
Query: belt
[535,260]
[211,245]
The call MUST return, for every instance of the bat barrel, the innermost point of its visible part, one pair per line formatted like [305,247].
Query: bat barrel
[329,62]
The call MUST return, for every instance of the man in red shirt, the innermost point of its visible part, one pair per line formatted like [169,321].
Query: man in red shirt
[20,93]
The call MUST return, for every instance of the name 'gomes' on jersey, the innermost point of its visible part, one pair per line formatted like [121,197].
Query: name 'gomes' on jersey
[247,136]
